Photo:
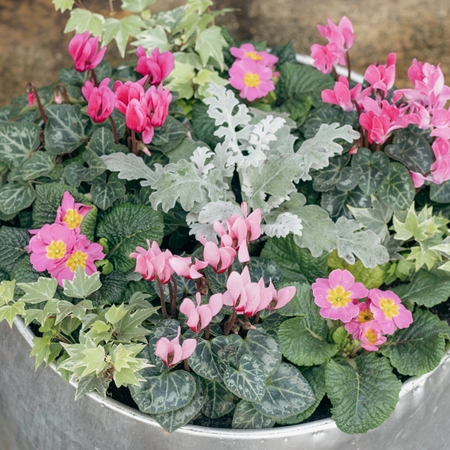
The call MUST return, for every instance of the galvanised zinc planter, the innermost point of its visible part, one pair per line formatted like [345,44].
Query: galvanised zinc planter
[38,412]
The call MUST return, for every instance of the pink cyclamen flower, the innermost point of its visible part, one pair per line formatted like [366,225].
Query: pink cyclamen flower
[85,53]
[418,179]
[440,169]
[324,58]
[127,91]
[341,35]
[158,65]
[71,213]
[171,352]
[101,100]
[158,100]
[251,78]
[343,96]
[84,254]
[200,316]
[219,258]
[381,77]
[245,296]
[153,263]
[50,246]
[30,98]
[364,316]
[184,267]
[247,51]
[388,311]
[336,294]
[371,336]
[280,298]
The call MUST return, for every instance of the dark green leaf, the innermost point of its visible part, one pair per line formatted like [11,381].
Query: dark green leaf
[327,178]
[247,417]
[335,202]
[12,242]
[219,400]
[371,169]
[440,193]
[112,290]
[106,191]
[14,197]
[397,189]
[18,141]
[40,164]
[168,136]
[204,126]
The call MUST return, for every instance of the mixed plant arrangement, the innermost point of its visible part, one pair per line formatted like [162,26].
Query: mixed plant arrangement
[303,218]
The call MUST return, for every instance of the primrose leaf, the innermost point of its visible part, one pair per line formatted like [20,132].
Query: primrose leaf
[363,397]
[419,348]
[82,284]
[365,244]
[12,242]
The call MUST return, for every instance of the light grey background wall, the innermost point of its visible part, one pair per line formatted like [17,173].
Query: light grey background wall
[33,47]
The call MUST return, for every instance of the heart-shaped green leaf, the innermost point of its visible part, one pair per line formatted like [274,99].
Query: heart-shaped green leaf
[219,400]
[247,417]
[18,141]
[371,169]
[397,189]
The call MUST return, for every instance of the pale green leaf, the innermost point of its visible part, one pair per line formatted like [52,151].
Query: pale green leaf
[121,30]
[41,291]
[153,38]
[209,44]
[136,6]
[93,361]
[82,20]
[63,4]
[9,312]
[114,314]
[82,284]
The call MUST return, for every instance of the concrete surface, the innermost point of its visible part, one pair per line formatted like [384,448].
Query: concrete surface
[33,46]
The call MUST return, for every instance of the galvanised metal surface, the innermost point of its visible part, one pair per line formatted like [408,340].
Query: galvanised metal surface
[38,412]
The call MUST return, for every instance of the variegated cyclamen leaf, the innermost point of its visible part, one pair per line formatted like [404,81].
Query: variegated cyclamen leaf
[397,189]
[248,380]
[363,397]
[327,178]
[18,141]
[335,202]
[15,197]
[370,168]
[40,164]
[106,191]
[287,393]
[356,243]
[245,416]
[204,361]
[219,400]
[440,193]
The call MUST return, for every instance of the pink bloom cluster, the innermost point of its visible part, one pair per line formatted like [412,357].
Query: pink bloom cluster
[60,248]
[144,110]
[339,298]
[340,40]
[252,72]
[422,106]
[171,352]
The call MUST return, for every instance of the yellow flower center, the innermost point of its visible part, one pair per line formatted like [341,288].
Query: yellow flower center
[252,79]
[339,297]
[371,336]
[254,56]
[56,250]
[389,307]
[77,259]
[365,316]
[72,219]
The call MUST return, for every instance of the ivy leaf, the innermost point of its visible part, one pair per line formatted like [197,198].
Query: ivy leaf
[106,191]
[371,169]
[164,393]
[9,312]
[175,419]
[397,189]
[65,129]
[287,393]
[425,289]
[365,244]
[93,361]
[41,291]
[120,31]
[419,348]
[93,383]
[14,197]
[296,264]
[63,4]
[82,20]
[18,141]
[219,400]
[45,350]
[153,37]
[209,44]
[303,339]
[247,417]
[127,226]
[82,284]
[136,6]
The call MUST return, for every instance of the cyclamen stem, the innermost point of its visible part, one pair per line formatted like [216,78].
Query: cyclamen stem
[258,314]
[63,91]
[32,87]
[335,74]
[114,130]
[133,142]
[229,323]
[93,77]
[186,365]
[207,332]
[161,297]
[173,298]
[349,66]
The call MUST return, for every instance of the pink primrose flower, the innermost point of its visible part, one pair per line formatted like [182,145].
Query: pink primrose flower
[184,267]
[440,169]
[85,53]
[200,316]
[83,254]
[171,352]
[245,296]
[50,246]
[247,51]
[157,66]
[388,311]
[153,263]
[101,100]
[251,78]
[381,77]
[341,35]
[371,336]
[336,295]
[343,96]
[364,316]
[281,297]
[71,213]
